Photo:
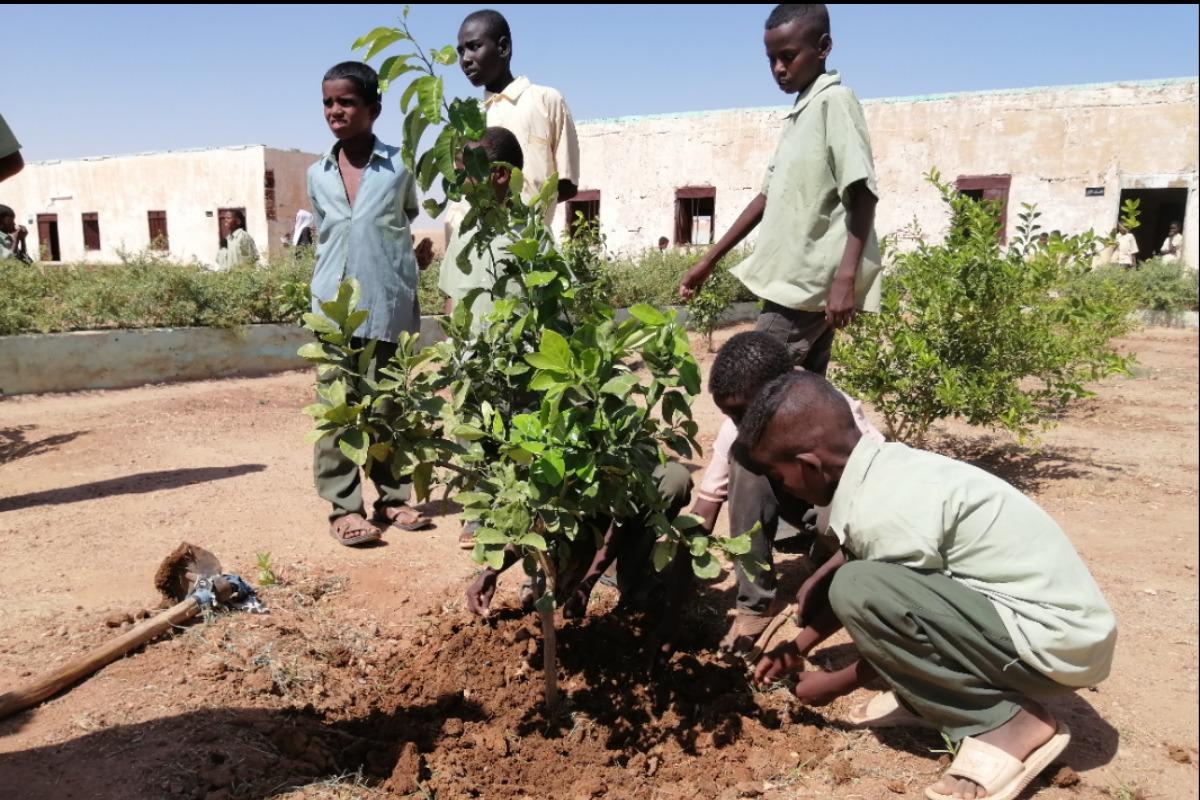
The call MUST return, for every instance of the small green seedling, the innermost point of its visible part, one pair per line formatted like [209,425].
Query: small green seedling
[266,570]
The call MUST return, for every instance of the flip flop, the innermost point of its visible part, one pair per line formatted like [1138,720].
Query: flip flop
[884,710]
[1001,776]
[401,516]
[353,529]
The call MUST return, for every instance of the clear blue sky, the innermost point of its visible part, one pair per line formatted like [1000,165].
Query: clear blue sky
[92,80]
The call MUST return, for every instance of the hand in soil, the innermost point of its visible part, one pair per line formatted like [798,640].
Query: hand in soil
[577,603]
[779,662]
[480,593]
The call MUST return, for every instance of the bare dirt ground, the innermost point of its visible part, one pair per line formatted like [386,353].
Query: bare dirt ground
[369,680]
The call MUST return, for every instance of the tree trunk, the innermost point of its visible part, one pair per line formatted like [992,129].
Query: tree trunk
[549,636]
[550,662]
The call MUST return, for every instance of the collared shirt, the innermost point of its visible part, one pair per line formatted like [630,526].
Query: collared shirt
[929,512]
[239,249]
[538,116]
[483,273]
[714,486]
[370,242]
[823,150]
[8,142]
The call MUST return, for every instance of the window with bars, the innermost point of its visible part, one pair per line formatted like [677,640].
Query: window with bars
[993,188]
[269,193]
[91,231]
[158,230]
[694,214]
[584,205]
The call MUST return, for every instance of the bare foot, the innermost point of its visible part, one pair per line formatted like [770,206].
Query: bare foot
[1031,728]
[744,632]
[821,688]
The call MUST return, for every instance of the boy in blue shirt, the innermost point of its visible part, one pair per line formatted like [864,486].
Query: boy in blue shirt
[363,199]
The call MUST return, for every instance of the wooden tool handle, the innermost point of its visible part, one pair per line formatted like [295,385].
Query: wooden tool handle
[756,652]
[68,674]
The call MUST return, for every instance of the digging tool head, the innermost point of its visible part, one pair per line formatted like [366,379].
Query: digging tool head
[182,570]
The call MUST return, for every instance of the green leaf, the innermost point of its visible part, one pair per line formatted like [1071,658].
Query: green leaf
[395,66]
[533,540]
[429,98]
[675,404]
[524,249]
[706,567]
[319,323]
[546,379]
[543,362]
[473,499]
[335,393]
[664,553]
[422,479]
[468,432]
[490,536]
[689,373]
[313,351]
[317,434]
[620,385]
[495,559]
[535,279]
[738,545]
[687,522]
[375,34]
[698,546]
[648,314]
[353,444]
[554,347]
[382,43]
[412,90]
[446,56]
[549,469]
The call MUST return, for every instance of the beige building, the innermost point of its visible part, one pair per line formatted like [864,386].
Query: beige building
[92,209]
[1075,151]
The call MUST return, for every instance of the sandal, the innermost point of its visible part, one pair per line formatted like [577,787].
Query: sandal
[466,539]
[1001,776]
[884,710]
[401,516]
[744,632]
[353,529]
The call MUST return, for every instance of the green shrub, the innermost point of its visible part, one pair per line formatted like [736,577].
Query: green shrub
[147,291]
[1156,285]
[997,337]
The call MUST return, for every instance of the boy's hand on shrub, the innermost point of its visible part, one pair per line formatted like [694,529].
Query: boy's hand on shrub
[695,278]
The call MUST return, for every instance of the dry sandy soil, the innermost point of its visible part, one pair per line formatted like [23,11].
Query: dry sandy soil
[369,680]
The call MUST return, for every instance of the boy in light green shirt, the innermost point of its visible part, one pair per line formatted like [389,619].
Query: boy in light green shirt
[816,260]
[502,148]
[963,595]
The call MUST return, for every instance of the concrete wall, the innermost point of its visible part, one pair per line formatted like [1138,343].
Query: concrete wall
[1054,142]
[291,192]
[188,185]
[120,359]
